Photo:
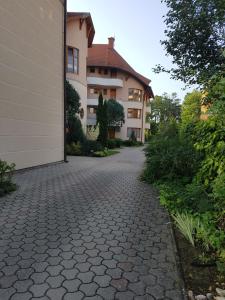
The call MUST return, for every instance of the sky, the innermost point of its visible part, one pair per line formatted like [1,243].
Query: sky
[138,28]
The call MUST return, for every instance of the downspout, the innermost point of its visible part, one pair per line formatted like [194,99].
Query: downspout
[64,79]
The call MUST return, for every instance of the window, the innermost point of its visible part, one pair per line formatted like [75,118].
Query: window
[72,60]
[113,73]
[91,110]
[134,113]
[92,70]
[100,70]
[135,95]
[136,131]
[105,92]
[95,91]
[113,93]
[106,71]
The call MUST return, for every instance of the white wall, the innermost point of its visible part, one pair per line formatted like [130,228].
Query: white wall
[31,82]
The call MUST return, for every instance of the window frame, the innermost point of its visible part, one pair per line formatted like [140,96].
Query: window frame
[138,136]
[141,96]
[77,56]
[139,112]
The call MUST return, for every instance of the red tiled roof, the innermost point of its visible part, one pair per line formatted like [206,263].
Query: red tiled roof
[102,55]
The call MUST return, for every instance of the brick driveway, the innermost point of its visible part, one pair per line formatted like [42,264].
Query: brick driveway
[88,229]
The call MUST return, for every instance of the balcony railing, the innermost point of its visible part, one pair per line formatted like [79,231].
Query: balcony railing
[109,82]
[91,119]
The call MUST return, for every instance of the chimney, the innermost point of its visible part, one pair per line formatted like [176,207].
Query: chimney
[111,42]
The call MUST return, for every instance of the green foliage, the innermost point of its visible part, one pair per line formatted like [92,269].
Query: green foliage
[74,128]
[74,149]
[105,152]
[114,143]
[89,147]
[168,156]
[102,121]
[130,143]
[165,108]
[187,226]
[186,161]
[191,109]
[6,184]
[210,141]
[195,39]
[115,113]
[75,132]
[218,189]
[72,100]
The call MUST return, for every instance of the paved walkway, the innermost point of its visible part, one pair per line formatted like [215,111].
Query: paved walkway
[88,229]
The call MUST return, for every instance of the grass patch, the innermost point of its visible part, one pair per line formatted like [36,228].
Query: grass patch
[106,152]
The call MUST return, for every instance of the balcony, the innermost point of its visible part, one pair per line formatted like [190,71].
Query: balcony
[109,82]
[94,101]
[91,119]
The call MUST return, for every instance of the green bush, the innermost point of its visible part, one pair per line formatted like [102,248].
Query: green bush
[74,149]
[6,184]
[169,157]
[105,153]
[89,147]
[75,132]
[111,144]
[130,143]
[218,187]
[119,143]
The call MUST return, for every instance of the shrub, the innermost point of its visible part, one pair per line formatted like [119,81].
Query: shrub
[187,226]
[6,184]
[105,153]
[130,143]
[89,147]
[111,144]
[75,132]
[74,149]
[119,143]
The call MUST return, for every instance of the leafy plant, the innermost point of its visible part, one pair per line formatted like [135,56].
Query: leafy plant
[105,153]
[195,39]
[187,225]
[89,147]
[102,121]
[6,184]
[115,113]
[74,149]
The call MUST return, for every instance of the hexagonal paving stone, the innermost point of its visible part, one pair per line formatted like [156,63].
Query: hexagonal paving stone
[86,230]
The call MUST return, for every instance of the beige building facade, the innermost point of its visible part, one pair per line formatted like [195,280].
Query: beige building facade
[32,82]
[108,73]
[80,34]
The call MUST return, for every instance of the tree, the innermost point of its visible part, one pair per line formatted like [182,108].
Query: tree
[115,112]
[74,127]
[72,100]
[195,38]
[102,121]
[164,108]
[191,108]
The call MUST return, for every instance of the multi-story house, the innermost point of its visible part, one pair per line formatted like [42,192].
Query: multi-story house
[108,73]
[80,34]
[32,82]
